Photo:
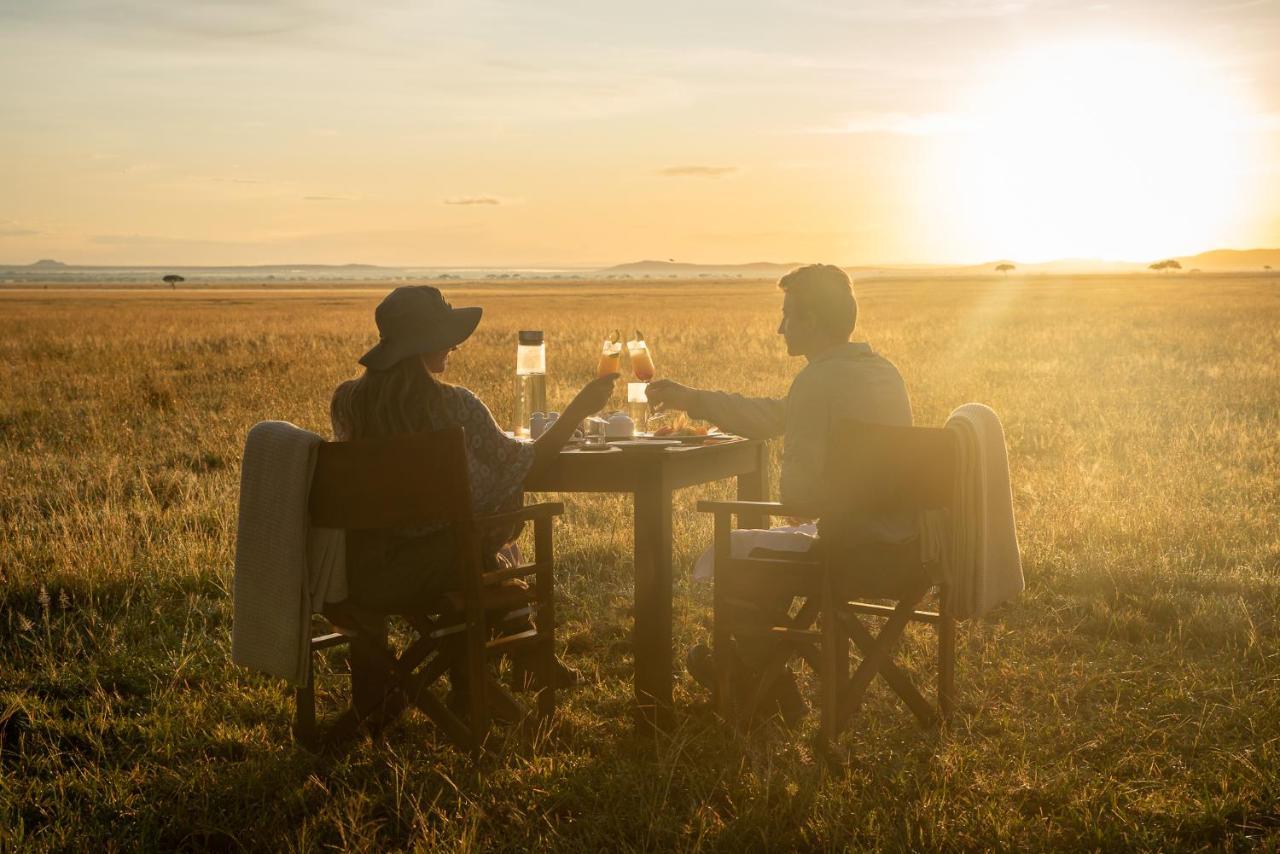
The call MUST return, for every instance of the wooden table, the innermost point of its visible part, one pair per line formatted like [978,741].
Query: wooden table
[651,477]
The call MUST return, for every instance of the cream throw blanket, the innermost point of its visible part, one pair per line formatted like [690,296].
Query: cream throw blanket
[285,569]
[981,563]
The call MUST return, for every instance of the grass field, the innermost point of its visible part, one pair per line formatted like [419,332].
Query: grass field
[1129,699]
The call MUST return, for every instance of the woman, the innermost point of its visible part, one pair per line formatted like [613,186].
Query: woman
[400,392]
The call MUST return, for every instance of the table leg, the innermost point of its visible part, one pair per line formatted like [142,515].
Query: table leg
[755,487]
[652,636]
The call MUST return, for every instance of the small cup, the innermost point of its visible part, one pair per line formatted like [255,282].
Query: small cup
[620,426]
[537,424]
[595,431]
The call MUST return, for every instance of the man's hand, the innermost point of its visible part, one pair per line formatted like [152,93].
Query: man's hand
[668,394]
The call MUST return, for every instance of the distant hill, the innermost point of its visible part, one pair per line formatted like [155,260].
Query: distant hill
[1222,260]
[1216,261]
[771,270]
[48,270]
[664,269]
[55,272]
[1064,266]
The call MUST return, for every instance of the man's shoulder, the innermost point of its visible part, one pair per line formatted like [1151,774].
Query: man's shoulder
[850,376]
[857,359]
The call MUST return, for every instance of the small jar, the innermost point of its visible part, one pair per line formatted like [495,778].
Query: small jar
[537,424]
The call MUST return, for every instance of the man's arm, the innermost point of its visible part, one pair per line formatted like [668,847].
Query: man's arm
[753,417]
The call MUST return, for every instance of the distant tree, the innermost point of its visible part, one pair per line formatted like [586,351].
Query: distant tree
[172,280]
[1005,268]
[1167,264]
[1266,266]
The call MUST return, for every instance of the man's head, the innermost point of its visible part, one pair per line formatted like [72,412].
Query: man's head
[818,311]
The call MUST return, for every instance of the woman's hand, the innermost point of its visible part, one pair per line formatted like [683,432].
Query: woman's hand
[668,394]
[593,397]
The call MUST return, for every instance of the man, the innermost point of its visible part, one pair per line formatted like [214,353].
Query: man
[842,379]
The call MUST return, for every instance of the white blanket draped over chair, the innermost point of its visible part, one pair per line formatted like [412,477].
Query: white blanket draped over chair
[285,569]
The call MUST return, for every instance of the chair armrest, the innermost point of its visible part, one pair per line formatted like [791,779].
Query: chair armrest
[529,512]
[762,508]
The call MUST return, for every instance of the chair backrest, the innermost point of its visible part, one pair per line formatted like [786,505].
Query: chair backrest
[876,468]
[401,482]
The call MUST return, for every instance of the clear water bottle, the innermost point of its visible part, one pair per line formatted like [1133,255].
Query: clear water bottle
[531,379]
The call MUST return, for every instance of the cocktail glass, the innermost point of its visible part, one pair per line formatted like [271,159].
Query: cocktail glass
[641,358]
[610,358]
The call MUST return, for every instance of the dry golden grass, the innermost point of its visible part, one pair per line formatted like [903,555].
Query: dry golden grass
[1131,698]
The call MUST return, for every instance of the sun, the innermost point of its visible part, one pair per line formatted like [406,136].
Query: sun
[1096,149]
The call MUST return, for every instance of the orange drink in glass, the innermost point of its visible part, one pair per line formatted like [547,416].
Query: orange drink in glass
[610,357]
[641,358]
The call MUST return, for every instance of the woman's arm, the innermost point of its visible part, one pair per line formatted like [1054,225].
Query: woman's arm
[591,399]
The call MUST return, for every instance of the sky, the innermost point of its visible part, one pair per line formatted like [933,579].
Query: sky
[564,133]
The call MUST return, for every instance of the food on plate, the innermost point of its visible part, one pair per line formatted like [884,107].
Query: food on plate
[681,432]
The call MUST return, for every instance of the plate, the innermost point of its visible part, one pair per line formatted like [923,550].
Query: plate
[708,439]
[645,444]
[592,449]
[703,439]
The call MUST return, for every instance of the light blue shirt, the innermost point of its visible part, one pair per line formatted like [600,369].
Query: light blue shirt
[851,381]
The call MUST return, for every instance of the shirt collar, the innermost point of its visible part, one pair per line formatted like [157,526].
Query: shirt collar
[848,350]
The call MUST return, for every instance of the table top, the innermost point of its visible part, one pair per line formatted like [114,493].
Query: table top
[626,470]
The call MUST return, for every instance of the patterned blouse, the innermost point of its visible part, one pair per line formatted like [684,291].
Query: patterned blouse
[496,462]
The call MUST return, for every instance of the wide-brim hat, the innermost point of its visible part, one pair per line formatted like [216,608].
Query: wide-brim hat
[416,319]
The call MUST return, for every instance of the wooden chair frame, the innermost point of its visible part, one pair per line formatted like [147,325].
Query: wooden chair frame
[826,622]
[409,481]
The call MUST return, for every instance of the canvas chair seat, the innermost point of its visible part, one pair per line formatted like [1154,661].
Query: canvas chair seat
[872,468]
[411,481]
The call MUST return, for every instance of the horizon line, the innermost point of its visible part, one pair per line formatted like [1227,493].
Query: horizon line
[596,268]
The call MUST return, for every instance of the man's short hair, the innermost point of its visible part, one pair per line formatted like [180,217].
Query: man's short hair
[823,290]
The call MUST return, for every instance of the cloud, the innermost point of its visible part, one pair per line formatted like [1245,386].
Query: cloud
[224,21]
[697,171]
[473,200]
[9,228]
[928,11]
[153,240]
[902,124]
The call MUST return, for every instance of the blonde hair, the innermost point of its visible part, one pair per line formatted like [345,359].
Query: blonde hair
[402,399]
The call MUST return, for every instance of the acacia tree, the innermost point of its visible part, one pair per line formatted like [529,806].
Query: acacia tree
[172,280]
[1165,265]
[1005,268]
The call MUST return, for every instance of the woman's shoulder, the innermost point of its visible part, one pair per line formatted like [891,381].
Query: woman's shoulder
[458,395]
[462,400]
